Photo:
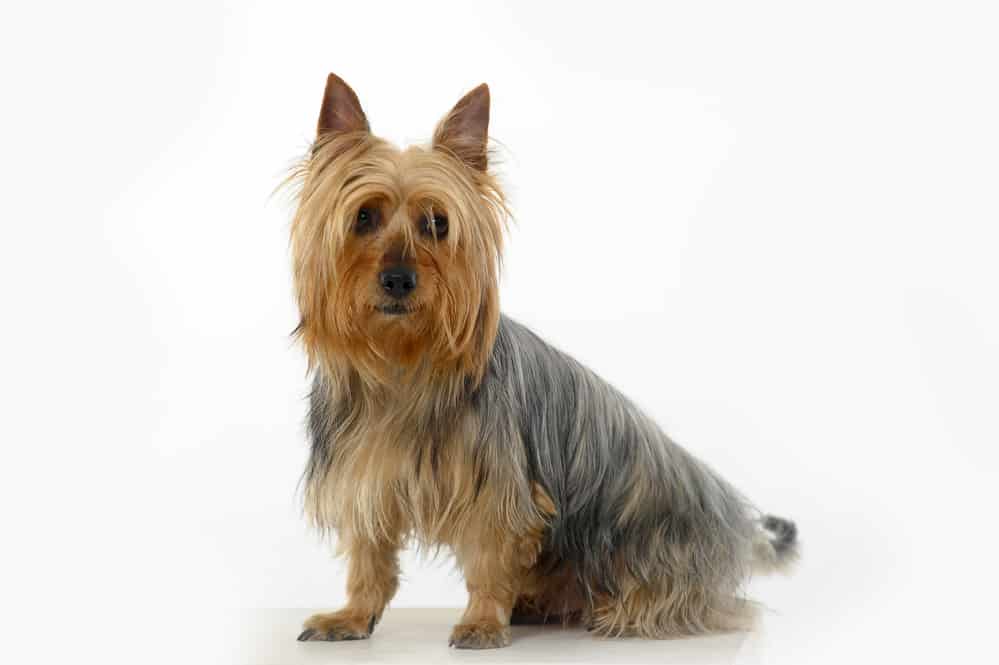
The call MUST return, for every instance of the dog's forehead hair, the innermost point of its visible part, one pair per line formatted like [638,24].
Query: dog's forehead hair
[414,177]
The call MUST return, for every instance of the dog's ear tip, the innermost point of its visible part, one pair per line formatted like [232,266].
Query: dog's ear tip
[479,92]
[335,82]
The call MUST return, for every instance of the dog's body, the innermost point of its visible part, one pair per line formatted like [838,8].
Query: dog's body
[434,417]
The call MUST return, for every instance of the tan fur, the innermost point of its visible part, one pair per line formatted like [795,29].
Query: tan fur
[335,270]
[385,484]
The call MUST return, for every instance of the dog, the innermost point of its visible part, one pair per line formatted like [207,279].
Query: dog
[436,420]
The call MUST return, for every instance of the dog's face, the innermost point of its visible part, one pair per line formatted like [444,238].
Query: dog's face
[396,251]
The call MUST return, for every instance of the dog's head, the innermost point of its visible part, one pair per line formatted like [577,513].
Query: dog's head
[396,251]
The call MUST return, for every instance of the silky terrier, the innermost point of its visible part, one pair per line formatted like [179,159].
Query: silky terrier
[437,421]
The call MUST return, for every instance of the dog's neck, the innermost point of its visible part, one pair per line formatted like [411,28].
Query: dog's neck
[425,388]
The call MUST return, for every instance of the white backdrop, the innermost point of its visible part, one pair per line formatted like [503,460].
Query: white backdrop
[787,215]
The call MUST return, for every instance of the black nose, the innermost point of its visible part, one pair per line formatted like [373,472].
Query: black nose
[398,281]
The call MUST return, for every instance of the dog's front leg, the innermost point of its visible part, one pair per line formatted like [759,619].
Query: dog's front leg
[491,594]
[494,562]
[372,579]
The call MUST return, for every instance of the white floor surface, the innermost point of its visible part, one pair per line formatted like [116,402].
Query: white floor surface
[411,635]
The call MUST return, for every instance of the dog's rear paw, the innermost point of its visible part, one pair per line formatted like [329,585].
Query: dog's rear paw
[337,626]
[480,636]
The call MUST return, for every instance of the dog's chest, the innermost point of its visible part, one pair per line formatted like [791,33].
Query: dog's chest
[392,478]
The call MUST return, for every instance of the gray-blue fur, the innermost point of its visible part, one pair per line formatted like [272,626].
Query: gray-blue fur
[586,442]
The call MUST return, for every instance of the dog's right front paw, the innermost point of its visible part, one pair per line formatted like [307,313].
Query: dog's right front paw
[338,626]
[482,635]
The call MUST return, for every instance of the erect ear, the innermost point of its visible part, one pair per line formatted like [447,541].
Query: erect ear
[341,112]
[464,131]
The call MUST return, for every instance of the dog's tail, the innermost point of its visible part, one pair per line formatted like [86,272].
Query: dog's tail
[775,545]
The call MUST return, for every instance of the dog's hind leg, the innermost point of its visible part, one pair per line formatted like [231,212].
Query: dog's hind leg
[668,609]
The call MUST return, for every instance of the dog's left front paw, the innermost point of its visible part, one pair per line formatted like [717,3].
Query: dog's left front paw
[482,635]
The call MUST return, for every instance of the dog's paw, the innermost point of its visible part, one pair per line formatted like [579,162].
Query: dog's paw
[482,635]
[337,626]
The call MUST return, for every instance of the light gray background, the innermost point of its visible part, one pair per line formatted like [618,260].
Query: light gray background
[786,213]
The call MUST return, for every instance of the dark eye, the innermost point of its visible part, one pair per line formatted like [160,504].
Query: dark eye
[366,220]
[435,226]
